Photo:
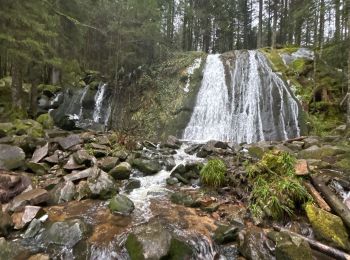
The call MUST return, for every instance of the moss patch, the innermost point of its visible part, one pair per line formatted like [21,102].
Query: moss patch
[328,227]
[46,121]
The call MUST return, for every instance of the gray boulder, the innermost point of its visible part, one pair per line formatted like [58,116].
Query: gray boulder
[121,204]
[148,167]
[121,172]
[11,157]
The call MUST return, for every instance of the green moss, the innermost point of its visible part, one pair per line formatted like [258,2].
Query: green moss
[134,248]
[49,88]
[328,227]
[46,121]
[298,65]
[213,173]
[276,189]
[178,250]
[28,127]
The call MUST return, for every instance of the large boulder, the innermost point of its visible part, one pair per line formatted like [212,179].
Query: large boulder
[121,204]
[5,129]
[148,167]
[121,172]
[11,157]
[315,152]
[328,227]
[101,185]
[28,127]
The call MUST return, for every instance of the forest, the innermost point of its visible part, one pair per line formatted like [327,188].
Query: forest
[175,129]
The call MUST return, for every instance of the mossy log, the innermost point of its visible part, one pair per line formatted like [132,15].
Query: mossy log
[317,196]
[332,200]
[330,251]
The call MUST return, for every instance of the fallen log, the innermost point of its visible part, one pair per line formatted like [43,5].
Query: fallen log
[330,251]
[317,196]
[339,207]
[301,138]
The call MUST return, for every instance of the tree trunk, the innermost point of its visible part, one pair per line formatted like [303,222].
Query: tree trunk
[33,99]
[16,89]
[322,20]
[259,44]
[348,93]
[337,20]
[274,29]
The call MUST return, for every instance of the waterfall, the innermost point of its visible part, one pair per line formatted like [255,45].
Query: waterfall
[98,102]
[257,106]
[81,101]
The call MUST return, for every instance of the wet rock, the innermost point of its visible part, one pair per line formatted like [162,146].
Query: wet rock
[76,176]
[82,157]
[148,167]
[39,257]
[33,229]
[22,219]
[184,199]
[82,191]
[172,142]
[121,204]
[252,244]
[151,241]
[40,153]
[11,157]
[132,184]
[169,163]
[6,223]
[101,185]
[179,250]
[38,168]
[226,234]
[67,233]
[69,141]
[108,163]
[181,179]
[172,181]
[12,184]
[63,192]
[328,227]
[33,197]
[290,247]
[193,149]
[121,172]
[301,167]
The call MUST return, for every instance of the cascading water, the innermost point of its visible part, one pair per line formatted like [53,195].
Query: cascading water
[98,102]
[258,106]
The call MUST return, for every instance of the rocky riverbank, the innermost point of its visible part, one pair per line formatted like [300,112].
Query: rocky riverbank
[85,195]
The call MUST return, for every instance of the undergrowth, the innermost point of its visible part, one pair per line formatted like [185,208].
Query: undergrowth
[213,173]
[276,191]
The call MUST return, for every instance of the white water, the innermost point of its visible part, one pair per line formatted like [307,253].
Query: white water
[190,71]
[98,102]
[154,186]
[81,101]
[259,107]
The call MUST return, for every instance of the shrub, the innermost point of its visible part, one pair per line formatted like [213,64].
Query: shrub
[213,173]
[276,189]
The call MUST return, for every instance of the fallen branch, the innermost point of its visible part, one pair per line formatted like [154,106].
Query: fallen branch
[330,251]
[317,196]
[332,200]
[301,138]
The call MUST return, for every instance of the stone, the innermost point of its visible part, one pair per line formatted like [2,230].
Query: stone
[121,172]
[53,158]
[328,227]
[12,184]
[183,199]
[6,223]
[226,234]
[301,167]
[257,150]
[291,247]
[172,181]
[33,197]
[103,140]
[11,157]
[38,168]
[5,129]
[63,192]
[82,191]
[108,163]
[122,155]
[69,141]
[40,153]
[101,185]
[172,142]
[28,127]
[33,229]
[252,244]
[23,218]
[318,153]
[72,165]
[121,204]
[311,141]
[148,167]
[132,184]
[39,257]
[150,241]
[193,149]
[82,157]
[46,121]
[76,176]
[67,233]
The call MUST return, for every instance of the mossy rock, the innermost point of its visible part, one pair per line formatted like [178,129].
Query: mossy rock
[5,129]
[344,164]
[298,65]
[178,250]
[46,121]
[38,168]
[121,204]
[49,89]
[28,127]
[315,152]
[328,227]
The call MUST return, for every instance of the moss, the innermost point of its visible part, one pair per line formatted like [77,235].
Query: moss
[327,227]
[213,173]
[178,250]
[276,191]
[46,121]
[298,65]
[28,127]
[134,248]
[49,88]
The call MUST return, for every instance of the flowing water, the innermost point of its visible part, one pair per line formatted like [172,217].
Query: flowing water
[257,105]
[99,97]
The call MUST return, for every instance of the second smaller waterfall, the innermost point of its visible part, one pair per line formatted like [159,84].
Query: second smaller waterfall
[99,97]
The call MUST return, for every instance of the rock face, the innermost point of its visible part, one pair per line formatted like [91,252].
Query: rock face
[121,204]
[328,227]
[121,172]
[11,157]
[148,167]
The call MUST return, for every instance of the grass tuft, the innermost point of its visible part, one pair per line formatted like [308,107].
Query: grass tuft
[213,173]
